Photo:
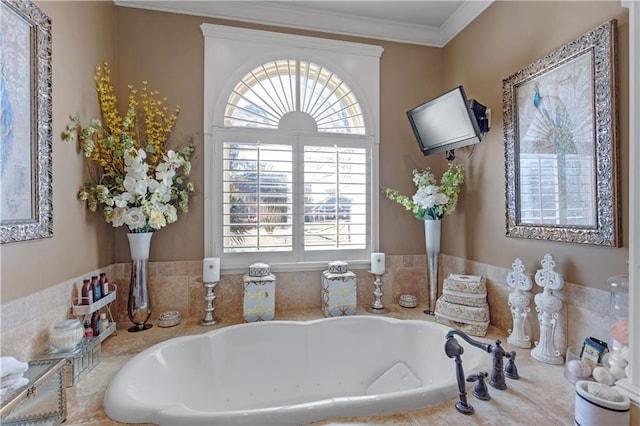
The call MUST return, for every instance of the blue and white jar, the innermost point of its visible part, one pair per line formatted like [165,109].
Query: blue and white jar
[338,292]
[259,294]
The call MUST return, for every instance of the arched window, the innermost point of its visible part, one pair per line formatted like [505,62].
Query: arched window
[291,170]
[272,92]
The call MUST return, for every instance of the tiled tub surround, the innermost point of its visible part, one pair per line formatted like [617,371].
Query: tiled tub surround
[178,286]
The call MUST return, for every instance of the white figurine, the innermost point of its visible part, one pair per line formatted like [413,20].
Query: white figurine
[519,304]
[548,307]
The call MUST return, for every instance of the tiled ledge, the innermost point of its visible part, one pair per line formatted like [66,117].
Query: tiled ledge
[542,395]
[178,286]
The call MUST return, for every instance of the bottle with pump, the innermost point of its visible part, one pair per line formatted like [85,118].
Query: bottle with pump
[97,289]
[104,322]
[88,331]
[104,284]
[95,323]
[86,297]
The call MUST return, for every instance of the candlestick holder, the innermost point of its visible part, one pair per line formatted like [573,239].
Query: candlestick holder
[377,307]
[209,319]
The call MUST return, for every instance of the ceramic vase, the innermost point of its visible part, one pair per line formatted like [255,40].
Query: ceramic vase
[139,304]
[432,230]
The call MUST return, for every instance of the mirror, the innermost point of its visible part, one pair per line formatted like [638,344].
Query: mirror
[25,123]
[561,153]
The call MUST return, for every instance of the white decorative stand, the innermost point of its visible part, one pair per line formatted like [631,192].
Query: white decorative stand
[377,307]
[209,319]
[548,305]
[519,304]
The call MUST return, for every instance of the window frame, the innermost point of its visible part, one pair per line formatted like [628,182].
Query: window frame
[297,258]
[230,53]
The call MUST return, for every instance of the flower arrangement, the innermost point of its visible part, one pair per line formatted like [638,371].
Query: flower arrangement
[135,178]
[432,202]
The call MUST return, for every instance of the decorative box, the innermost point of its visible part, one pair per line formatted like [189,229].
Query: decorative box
[338,290]
[41,401]
[467,284]
[259,294]
[473,320]
[463,304]
[79,361]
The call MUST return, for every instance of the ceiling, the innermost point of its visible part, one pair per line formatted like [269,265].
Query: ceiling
[426,22]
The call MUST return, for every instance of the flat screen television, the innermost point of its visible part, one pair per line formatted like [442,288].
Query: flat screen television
[447,122]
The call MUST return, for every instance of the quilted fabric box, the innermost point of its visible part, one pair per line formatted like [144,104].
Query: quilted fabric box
[468,284]
[338,291]
[473,320]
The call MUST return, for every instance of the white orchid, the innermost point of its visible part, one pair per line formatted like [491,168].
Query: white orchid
[134,177]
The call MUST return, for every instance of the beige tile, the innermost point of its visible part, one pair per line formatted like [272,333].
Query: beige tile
[576,294]
[166,269]
[584,323]
[598,301]
[169,294]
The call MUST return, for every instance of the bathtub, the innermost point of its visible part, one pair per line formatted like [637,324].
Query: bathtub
[290,373]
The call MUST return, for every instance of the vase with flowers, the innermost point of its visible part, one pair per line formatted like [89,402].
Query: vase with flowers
[135,178]
[431,203]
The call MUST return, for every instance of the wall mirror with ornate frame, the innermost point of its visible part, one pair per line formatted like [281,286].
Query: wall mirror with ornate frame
[25,122]
[561,153]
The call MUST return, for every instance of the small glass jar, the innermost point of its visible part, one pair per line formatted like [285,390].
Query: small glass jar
[65,335]
[619,312]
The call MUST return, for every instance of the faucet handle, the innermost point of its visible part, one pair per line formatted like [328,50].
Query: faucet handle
[510,370]
[480,390]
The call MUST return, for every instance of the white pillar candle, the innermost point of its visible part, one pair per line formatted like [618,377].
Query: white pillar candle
[377,263]
[211,270]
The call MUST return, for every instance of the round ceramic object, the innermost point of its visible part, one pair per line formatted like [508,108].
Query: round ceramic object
[597,404]
[258,270]
[408,301]
[169,319]
[65,335]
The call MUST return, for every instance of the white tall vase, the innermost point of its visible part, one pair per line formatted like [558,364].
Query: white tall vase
[139,303]
[432,231]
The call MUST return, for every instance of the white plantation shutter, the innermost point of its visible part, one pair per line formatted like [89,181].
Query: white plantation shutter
[290,149]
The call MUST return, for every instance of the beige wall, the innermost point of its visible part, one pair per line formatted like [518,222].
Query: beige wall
[166,50]
[83,36]
[409,75]
[507,37]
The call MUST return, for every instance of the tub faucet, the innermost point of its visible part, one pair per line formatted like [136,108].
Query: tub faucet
[496,350]
[453,349]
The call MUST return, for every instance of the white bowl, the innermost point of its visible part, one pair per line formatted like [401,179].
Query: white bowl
[65,335]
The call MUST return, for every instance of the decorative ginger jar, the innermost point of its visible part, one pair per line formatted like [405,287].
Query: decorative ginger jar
[259,303]
[338,290]
[66,335]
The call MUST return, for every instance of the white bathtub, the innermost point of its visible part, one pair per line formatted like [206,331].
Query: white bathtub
[290,373]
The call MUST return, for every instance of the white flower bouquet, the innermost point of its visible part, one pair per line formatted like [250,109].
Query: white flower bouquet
[431,202]
[136,179]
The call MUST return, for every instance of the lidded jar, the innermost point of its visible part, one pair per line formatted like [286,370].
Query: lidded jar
[619,311]
[65,335]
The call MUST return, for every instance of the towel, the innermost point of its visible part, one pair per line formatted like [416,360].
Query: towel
[11,371]
[17,383]
[10,366]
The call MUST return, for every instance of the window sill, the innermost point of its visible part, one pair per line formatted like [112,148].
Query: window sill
[301,267]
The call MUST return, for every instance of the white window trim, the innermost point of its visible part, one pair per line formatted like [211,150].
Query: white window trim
[229,52]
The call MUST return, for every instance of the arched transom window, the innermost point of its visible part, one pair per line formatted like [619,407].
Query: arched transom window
[291,94]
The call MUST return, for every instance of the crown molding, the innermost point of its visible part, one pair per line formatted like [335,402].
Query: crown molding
[290,16]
